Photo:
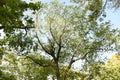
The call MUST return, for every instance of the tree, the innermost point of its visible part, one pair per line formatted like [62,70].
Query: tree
[113,67]
[12,15]
[15,24]
[71,34]
[64,34]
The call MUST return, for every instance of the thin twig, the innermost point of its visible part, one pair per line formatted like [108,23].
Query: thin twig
[103,7]
[53,35]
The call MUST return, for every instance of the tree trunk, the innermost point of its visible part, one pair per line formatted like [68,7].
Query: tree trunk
[57,73]
[57,69]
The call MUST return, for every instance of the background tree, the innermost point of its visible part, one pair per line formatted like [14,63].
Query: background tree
[113,67]
[108,71]
[14,23]
[15,20]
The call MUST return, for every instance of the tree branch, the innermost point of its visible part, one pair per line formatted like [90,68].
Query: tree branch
[103,7]
[83,57]
[58,53]
[69,66]
[51,44]
[53,35]
[71,62]
[14,27]
[60,43]
[40,64]
[42,44]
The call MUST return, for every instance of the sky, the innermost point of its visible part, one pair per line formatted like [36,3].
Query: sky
[114,16]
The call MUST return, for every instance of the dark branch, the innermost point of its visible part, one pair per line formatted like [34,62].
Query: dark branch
[51,52]
[25,32]
[42,44]
[103,7]
[60,43]
[83,57]
[14,27]
[69,66]
[51,43]
[71,62]
[40,64]
[58,53]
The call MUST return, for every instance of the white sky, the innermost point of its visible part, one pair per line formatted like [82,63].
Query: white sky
[114,16]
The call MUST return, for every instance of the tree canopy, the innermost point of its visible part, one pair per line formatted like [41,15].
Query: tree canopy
[45,40]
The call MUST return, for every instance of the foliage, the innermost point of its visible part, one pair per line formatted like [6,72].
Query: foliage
[71,34]
[113,3]
[113,68]
[15,24]
[31,67]
[108,71]
[49,39]
[15,20]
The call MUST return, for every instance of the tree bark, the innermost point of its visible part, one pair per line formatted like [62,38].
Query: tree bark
[57,68]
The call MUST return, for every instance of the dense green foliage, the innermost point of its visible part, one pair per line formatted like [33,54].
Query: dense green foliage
[16,20]
[44,40]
